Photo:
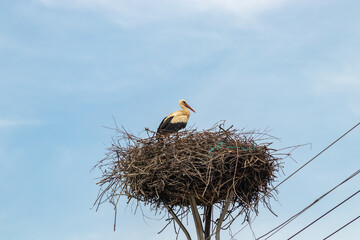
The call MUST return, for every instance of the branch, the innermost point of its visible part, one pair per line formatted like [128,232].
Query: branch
[178,222]
[207,213]
[222,215]
[197,220]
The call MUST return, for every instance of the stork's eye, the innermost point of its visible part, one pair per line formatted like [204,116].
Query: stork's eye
[184,102]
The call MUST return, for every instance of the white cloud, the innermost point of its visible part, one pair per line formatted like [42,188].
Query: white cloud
[6,123]
[141,11]
[345,80]
[340,83]
[237,6]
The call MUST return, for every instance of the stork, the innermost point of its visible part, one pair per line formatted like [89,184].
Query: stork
[176,120]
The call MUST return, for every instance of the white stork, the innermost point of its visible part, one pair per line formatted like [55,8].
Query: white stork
[176,120]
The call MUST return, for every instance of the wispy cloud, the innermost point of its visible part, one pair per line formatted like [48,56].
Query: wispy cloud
[346,80]
[7,123]
[137,11]
[243,7]
[341,83]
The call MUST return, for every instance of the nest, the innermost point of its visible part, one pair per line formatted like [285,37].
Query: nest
[208,165]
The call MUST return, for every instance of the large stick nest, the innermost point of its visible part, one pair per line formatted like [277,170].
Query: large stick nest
[165,171]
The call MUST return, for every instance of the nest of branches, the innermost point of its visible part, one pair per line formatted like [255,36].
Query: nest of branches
[163,171]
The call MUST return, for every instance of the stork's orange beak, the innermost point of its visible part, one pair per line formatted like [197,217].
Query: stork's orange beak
[186,105]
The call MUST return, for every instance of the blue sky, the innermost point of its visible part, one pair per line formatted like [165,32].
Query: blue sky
[68,67]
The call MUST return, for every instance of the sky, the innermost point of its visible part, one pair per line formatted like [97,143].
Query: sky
[69,68]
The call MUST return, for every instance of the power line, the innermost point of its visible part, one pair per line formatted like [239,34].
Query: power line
[343,227]
[278,228]
[322,151]
[314,157]
[323,215]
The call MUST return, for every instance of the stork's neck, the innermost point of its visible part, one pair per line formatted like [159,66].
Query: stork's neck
[186,111]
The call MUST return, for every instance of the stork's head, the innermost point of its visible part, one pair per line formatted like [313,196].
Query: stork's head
[183,104]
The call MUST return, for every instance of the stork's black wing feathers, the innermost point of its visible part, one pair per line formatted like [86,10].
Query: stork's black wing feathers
[166,126]
[164,123]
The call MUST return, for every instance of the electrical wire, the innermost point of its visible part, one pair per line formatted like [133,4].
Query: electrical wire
[278,228]
[324,215]
[343,227]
